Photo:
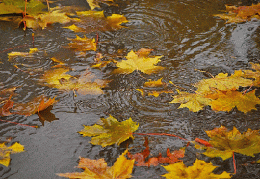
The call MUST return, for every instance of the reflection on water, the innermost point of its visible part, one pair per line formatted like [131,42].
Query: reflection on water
[184,32]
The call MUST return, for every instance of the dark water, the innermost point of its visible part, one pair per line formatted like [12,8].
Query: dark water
[188,36]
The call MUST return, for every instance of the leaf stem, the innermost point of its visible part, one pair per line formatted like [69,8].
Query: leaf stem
[234,164]
[164,134]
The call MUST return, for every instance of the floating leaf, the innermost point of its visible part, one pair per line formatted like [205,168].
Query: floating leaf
[227,100]
[222,82]
[98,169]
[224,143]
[33,7]
[22,54]
[135,62]
[6,151]
[82,44]
[241,13]
[199,170]
[194,101]
[109,131]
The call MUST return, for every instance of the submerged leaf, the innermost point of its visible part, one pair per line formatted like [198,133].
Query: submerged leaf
[92,21]
[6,151]
[98,169]
[199,170]
[36,105]
[109,131]
[172,157]
[224,142]
[135,62]
[82,44]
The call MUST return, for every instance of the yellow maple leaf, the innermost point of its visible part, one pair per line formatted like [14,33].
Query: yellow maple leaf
[98,169]
[224,143]
[194,101]
[222,82]
[6,151]
[227,100]
[109,131]
[134,62]
[82,44]
[199,170]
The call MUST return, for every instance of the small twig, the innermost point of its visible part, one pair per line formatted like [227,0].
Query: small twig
[48,5]
[247,89]
[24,15]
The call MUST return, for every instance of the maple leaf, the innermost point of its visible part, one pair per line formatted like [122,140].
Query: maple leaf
[141,63]
[140,157]
[193,101]
[109,131]
[6,151]
[33,7]
[227,100]
[224,143]
[98,169]
[241,13]
[82,44]
[200,169]
[35,106]
[222,82]
[91,21]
